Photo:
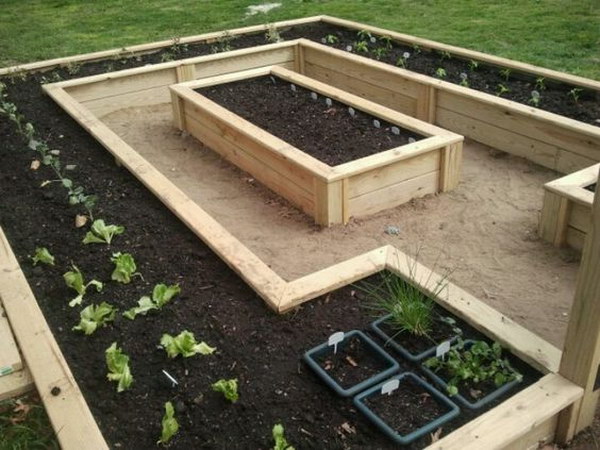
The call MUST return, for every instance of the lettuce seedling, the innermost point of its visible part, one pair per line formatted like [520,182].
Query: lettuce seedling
[161,295]
[185,344]
[124,267]
[94,317]
[229,388]
[169,424]
[74,280]
[280,442]
[118,367]
[100,233]
[42,255]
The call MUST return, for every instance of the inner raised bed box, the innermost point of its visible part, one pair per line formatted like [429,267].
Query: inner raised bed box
[330,194]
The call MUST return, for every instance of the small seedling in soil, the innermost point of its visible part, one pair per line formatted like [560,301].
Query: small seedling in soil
[100,233]
[73,68]
[74,280]
[473,65]
[124,268]
[540,83]
[386,41]
[118,367]
[380,53]
[402,61]
[361,47]
[94,317]
[161,295]
[330,39]
[472,365]
[505,73]
[444,54]
[501,90]
[575,93]
[229,389]
[272,35]
[223,43]
[535,98]
[169,424]
[184,344]
[440,72]
[42,255]
[416,49]
[464,79]
[364,35]
[279,437]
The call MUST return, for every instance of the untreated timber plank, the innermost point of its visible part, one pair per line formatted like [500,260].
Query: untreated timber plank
[10,358]
[16,384]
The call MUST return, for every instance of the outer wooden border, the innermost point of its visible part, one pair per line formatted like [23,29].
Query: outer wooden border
[567,209]
[329,189]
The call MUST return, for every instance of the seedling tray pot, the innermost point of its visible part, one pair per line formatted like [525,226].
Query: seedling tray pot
[389,340]
[453,410]
[391,366]
[461,399]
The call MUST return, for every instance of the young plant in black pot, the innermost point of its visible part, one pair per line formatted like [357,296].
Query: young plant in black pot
[473,372]
[412,323]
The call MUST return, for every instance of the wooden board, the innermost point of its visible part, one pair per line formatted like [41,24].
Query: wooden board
[16,384]
[10,358]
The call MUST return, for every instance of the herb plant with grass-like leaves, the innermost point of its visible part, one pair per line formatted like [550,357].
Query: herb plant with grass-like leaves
[161,295]
[74,279]
[117,363]
[94,317]
[229,389]
[169,423]
[185,344]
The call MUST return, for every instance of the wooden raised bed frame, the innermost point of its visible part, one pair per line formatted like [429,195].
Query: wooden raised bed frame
[329,194]
[518,423]
[567,210]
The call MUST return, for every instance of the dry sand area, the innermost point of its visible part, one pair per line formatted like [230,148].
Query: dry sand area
[484,231]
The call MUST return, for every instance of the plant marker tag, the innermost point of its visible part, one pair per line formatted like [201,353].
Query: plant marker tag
[373,39]
[293,87]
[390,386]
[348,48]
[272,79]
[442,349]
[411,140]
[328,102]
[396,130]
[171,379]
[376,123]
[351,111]
[314,95]
[335,339]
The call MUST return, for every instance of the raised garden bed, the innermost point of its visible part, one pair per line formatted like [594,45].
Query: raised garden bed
[567,209]
[387,171]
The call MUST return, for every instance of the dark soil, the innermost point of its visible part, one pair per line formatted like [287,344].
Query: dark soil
[353,363]
[258,347]
[328,133]
[591,187]
[408,408]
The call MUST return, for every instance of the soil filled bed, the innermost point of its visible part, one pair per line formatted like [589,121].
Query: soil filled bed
[327,132]
[592,187]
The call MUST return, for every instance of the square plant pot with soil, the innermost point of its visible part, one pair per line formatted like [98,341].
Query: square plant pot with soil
[406,408]
[474,373]
[350,362]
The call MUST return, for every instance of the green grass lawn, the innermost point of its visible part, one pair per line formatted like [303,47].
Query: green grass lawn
[559,34]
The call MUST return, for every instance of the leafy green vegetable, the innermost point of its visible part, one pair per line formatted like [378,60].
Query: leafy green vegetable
[74,280]
[42,255]
[118,367]
[169,424]
[124,267]
[95,316]
[101,233]
[161,295]
[184,344]
[229,388]
[473,363]
[280,442]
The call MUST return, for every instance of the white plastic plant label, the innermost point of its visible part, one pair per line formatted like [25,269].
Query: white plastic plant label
[348,48]
[314,95]
[376,123]
[442,349]
[351,111]
[170,378]
[293,87]
[390,386]
[411,140]
[396,130]
[328,102]
[272,80]
[335,339]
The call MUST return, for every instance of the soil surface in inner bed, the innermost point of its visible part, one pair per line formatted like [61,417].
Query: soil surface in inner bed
[592,187]
[328,132]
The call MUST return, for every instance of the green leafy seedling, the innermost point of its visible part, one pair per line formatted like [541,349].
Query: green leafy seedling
[331,39]
[42,255]
[94,317]
[184,344]
[501,90]
[361,47]
[118,367]
[505,73]
[100,233]
[540,83]
[473,65]
[440,72]
[444,54]
[229,389]
[575,93]
[125,268]
[161,295]
[380,53]
[281,442]
[170,426]
[535,98]
[74,280]
[364,35]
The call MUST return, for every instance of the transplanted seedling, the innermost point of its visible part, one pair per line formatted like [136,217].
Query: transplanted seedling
[535,98]
[101,233]
[464,79]
[74,280]
[184,344]
[575,93]
[540,83]
[118,367]
[170,426]
[125,268]
[42,255]
[402,61]
[281,442]
[94,317]
[330,39]
[361,47]
[229,389]
[501,90]
[440,72]
[505,73]
[161,295]
[473,65]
